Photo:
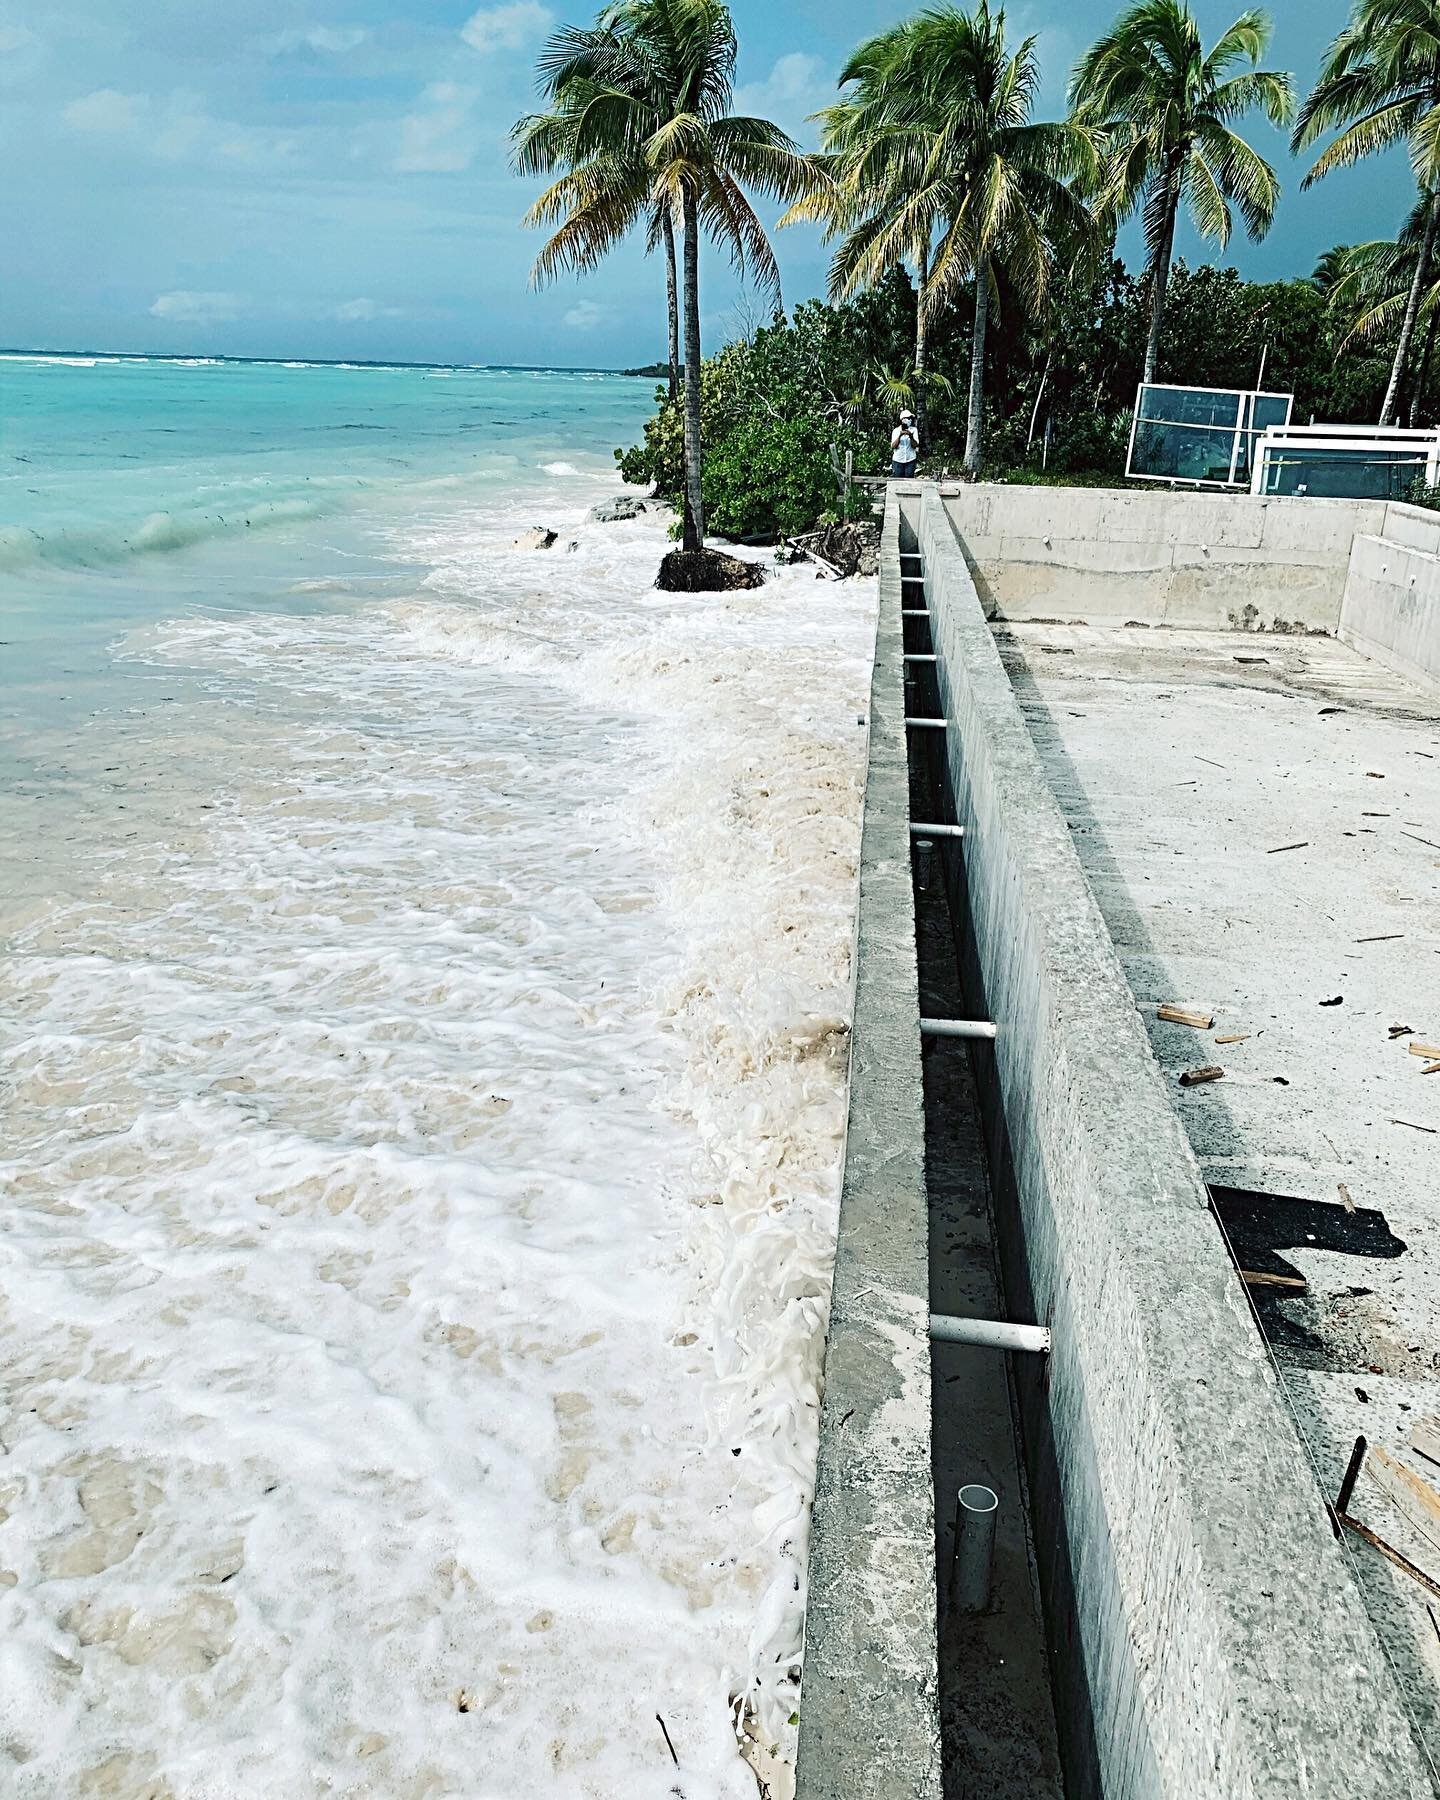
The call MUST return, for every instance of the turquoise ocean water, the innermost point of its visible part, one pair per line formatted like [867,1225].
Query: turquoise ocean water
[132,489]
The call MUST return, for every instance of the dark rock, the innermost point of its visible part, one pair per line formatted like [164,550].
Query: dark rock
[707,572]
[536,538]
[612,512]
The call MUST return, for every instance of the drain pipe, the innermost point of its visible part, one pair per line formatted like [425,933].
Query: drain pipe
[975,1509]
[990,1334]
[924,831]
[959,1028]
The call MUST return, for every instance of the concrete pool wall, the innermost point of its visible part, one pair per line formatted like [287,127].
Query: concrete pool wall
[1365,570]
[1208,1640]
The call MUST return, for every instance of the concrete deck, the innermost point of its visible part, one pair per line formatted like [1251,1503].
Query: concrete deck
[1186,765]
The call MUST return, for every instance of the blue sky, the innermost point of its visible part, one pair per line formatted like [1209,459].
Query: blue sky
[328,177]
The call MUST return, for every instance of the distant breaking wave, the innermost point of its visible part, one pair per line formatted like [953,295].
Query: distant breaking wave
[23,547]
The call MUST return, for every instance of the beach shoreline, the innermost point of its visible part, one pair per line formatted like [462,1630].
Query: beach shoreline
[436,1123]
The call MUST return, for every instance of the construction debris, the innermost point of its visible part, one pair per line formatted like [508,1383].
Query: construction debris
[1399,1031]
[1239,1037]
[1347,1202]
[1425,1437]
[1296,1284]
[1428,1051]
[1196,1077]
[1281,848]
[1185,1015]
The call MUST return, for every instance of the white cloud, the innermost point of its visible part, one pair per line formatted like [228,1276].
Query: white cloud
[176,128]
[186,307]
[107,111]
[441,138]
[324,40]
[508,27]
[585,315]
[795,87]
[361,312]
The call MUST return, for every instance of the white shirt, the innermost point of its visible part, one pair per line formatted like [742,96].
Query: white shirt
[905,443]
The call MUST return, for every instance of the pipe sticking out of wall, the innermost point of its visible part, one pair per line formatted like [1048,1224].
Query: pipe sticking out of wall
[990,1334]
[958,1028]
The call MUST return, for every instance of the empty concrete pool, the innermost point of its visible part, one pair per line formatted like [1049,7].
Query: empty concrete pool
[1142,732]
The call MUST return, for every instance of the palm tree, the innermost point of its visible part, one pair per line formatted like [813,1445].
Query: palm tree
[1380,85]
[572,68]
[867,152]
[934,157]
[651,136]
[1373,287]
[1168,107]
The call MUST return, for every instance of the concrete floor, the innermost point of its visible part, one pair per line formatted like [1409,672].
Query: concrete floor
[1259,818]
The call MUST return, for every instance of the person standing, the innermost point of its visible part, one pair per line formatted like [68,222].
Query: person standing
[905,447]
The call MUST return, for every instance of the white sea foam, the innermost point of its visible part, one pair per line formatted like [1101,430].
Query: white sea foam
[423,1180]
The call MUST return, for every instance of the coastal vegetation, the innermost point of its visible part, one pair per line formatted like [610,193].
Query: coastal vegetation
[975,274]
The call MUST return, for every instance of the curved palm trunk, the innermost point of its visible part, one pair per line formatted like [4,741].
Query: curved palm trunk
[1412,310]
[672,296]
[921,343]
[694,538]
[975,423]
[1160,273]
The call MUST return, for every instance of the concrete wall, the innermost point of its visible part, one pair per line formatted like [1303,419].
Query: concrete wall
[1203,1617]
[1391,608]
[1161,557]
[869,1720]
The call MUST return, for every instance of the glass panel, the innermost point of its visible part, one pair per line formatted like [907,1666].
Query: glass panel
[1190,406]
[1271,409]
[1176,452]
[1367,472]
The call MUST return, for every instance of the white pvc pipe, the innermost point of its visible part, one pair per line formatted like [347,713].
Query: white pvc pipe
[922,659]
[958,1028]
[976,1507]
[937,830]
[914,612]
[990,1334]
[931,724]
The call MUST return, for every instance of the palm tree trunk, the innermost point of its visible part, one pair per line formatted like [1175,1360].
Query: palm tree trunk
[975,423]
[1160,274]
[694,538]
[672,296]
[1412,310]
[1422,379]
[921,343]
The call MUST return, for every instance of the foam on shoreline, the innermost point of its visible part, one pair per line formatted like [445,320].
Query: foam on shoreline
[423,1195]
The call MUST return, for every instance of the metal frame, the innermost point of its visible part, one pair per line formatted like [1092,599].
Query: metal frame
[1244,426]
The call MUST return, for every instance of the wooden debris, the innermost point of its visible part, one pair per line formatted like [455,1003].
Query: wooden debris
[1425,1437]
[1389,1551]
[1339,1000]
[1387,938]
[1399,1031]
[1280,849]
[1348,1203]
[1196,1077]
[1431,1069]
[1237,1037]
[1410,1125]
[1428,1051]
[1374,775]
[1411,1493]
[1258,1278]
[1186,1015]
